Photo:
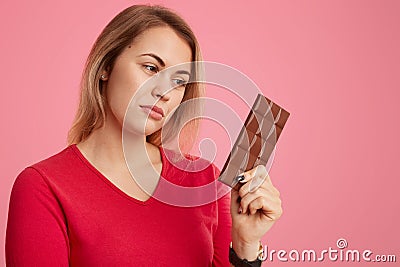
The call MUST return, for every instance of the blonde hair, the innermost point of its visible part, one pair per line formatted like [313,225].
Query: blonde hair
[119,33]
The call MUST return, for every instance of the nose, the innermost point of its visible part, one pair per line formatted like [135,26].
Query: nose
[164,96]
[161,88]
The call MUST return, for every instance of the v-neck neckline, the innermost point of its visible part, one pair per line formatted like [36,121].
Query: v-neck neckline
[116,188]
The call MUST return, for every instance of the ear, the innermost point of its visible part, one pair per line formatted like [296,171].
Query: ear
[104,76]
[105,73]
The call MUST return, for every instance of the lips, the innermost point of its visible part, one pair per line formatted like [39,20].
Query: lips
[154,111]
[158,110]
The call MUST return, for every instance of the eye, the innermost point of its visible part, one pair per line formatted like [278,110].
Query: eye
[179,82]
[151,68]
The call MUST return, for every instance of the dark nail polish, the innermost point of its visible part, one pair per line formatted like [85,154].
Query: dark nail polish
[240,178]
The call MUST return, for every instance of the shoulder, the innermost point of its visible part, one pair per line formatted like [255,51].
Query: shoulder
[64,159]
[28,180]
[44,171]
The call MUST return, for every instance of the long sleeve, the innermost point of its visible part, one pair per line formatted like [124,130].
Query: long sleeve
[222,236]
[36,229]
[64,212]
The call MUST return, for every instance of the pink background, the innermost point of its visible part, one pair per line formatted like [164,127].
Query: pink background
[335,65]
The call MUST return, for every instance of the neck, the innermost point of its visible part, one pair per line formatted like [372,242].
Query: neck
[104,148]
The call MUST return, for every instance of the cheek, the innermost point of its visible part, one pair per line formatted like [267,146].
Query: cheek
[119,94]
[122,85]
[117,101]
[177,98]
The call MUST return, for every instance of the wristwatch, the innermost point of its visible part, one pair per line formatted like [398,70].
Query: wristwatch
[238,262]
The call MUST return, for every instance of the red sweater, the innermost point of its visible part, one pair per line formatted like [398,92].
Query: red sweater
[64,212]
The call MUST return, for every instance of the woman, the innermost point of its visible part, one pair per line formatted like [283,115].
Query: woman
[81,207]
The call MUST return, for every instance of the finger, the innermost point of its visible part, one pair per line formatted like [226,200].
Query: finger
[244,190]
[269,195]
[260,181]
[270,187]
[271,210]
[249,197]
[266,185]
[235,199]
[251,186]
[252,180]
[256,182]
[250,174]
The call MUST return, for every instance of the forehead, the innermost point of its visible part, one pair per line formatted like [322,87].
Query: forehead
[165,43]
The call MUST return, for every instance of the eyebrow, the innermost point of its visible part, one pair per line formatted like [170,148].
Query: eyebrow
[162,63]
[159,60]
[183,72]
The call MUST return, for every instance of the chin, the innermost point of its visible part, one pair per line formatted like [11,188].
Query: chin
[151,129]
[136,129]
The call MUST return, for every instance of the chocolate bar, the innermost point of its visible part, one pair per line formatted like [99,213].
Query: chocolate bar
[256,140]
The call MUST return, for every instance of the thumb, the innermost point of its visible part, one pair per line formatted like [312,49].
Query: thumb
[235,199]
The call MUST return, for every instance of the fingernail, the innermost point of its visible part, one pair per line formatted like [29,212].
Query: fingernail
[240,178]
[240,210]
[238,199]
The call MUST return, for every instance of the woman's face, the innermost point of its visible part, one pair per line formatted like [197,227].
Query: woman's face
[151,52]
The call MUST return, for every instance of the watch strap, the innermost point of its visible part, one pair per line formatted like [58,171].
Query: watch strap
[238,262]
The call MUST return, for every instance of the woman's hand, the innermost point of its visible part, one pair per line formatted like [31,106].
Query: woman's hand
[255,206]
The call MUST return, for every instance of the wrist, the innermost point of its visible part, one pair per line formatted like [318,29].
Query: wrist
[246,249]
[238,261]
